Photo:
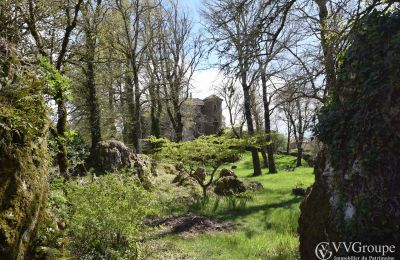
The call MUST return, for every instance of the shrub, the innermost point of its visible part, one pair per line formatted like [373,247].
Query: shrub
[205,152]
[106,216]
[278,142]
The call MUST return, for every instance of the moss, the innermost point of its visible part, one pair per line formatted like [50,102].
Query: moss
[23,154]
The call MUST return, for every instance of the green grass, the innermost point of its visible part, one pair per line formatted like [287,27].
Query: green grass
[266,226]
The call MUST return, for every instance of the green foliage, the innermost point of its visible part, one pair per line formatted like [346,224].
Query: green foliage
[205,151]
[278,142]
[58,85]
[156,144]
[77,149]
[23,112]
[106,216]
[257,140]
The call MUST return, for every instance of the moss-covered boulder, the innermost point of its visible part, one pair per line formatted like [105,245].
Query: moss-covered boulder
[23,154]
[356,196]
[113,155]
[229,186]
[225,173]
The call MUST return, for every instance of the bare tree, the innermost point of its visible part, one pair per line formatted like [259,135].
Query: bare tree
[327,30]
[273,16]
[301,120]
[181,54]
[232,98]
[232,26]
[133,46]
[154,22]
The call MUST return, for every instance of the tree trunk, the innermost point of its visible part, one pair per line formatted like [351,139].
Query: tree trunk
[123,109]
[137,133]
[204,188]
[62,158]
[24,157]
[130,100]
[327,47]
[155,110]
[155,122]
[250,128]
[94,109]
[299,154]
[264,156]
[179,127]
[267,122]
[289,131]
[133,100]
[111,103]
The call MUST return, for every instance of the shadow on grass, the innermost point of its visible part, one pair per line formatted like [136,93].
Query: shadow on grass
[233,214]
[247,165]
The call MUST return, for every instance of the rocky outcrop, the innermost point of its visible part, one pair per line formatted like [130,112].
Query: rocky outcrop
[23,154]
[113,155]
[356,195]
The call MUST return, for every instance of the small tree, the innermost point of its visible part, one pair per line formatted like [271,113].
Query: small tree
[208,152]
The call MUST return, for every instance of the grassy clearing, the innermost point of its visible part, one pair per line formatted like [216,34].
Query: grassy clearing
[266,224]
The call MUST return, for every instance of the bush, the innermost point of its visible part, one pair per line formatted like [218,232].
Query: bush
[106,216]
[278,142]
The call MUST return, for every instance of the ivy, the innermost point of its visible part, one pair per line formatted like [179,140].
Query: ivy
[353,121]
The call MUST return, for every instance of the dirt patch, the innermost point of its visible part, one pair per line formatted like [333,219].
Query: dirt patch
[189,225]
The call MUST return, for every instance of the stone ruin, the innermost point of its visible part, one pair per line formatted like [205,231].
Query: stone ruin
[200,117]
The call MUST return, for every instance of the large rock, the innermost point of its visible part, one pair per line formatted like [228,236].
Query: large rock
[228,186]
[356,194]
[24,158]
[226,173]
[255,186]
[113,155]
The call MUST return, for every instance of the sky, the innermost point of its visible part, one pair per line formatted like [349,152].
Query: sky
[207,77]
